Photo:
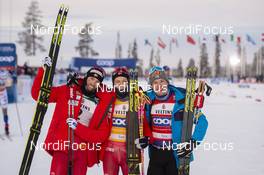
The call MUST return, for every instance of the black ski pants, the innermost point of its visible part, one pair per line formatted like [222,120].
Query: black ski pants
[162,162]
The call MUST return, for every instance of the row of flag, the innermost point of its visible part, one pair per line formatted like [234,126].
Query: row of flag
[192,41]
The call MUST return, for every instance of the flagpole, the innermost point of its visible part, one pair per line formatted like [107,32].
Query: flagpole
[260,61]
[257,64]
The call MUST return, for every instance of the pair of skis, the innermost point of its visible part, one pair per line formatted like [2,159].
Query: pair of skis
[135,114]
[187,126]
[194,100]
[44,94]
[133,153]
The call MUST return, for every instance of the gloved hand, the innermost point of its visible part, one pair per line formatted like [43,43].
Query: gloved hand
[186,148]
[72,78]
[46,62]
[72,123]
[142,143]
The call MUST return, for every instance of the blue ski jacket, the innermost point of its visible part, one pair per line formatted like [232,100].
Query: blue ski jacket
[177,116]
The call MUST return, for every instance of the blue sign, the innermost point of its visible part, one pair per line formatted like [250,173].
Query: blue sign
[8,56]
[89,62]
[8,61]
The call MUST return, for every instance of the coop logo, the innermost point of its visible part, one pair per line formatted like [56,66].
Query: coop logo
[107,63]
[7,59]
[119,122]
[7,49]
[161,121]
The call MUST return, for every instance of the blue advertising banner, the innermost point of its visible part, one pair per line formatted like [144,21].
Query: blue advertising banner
[8,56]
[8,62]
[78,62]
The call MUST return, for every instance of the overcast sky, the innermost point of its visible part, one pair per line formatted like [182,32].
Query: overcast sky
[141,19]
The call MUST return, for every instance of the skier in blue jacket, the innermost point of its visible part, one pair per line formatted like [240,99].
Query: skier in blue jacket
[163,126]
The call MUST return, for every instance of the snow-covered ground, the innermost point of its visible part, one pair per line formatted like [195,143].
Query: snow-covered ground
[235,128]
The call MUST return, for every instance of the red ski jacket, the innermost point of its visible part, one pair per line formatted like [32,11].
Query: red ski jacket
[98,129]
[146,130]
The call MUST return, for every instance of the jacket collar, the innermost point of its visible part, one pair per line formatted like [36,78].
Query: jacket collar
[178,94]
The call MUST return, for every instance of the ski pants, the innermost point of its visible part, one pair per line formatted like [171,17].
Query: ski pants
[59,164]
[162,162]
[114,158]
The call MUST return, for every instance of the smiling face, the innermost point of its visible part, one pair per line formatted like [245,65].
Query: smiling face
[160,87]
[92,83]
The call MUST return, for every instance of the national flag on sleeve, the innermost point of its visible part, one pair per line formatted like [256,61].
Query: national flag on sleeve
[161,43]
[190,40]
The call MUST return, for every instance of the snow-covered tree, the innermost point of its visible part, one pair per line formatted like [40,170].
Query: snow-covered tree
[191,63]
[180,69]
[84,47]
[217,65]
[204,65]
[134,51]
[29,38]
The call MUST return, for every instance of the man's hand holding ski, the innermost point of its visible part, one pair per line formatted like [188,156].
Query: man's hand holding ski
[72,79]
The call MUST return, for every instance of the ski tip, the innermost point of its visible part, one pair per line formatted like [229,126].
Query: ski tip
[67,8]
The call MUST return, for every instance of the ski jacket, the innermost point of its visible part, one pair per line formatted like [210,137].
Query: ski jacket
[96,132]
[177,120]
[104,146]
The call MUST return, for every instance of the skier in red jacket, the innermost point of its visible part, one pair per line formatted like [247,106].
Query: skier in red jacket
[90,122]
[113,153]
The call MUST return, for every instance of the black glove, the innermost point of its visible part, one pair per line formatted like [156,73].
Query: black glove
[72,78]
[186,148]
[142,143]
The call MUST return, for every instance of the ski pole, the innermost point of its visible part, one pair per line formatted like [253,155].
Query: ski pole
[19,121]
[140,119]
[70,133]
[18,114]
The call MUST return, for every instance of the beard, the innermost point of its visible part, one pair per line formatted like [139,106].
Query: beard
[88,93]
